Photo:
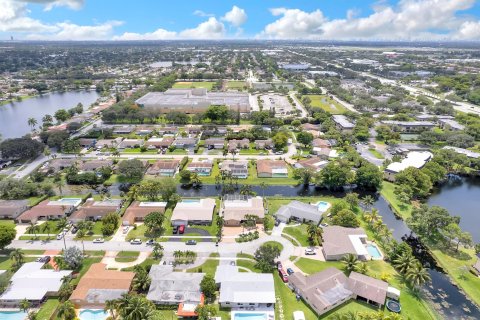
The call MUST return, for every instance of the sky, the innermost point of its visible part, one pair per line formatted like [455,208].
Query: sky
[418,20]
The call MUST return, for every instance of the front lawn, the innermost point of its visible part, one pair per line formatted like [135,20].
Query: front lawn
[376,153]
[236,85]
[208,267]
[274,244]
[48,308]
[127,256]
[299,233]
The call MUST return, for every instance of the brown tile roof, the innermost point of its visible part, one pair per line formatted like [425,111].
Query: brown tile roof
[92,208]
[163,165]
[264,143]
[45,210]
[368,287]
[164,142]
[321,143]
[234,143]
[94,165]
[336,240]
[141,209]
[266,165]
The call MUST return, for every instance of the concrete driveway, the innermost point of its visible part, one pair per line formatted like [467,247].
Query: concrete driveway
[193,231]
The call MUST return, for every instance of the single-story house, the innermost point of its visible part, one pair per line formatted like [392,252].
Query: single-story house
[96,210]
[108,143]
[203,168]
[167,130]
[267,168]
[193,211]
[321,143]
[299,211]
[58,164]
[243,289]
[310,126]
[416,159]
[159,143]
[235,144]
[87,142]
[143,131]
[238,169]
[164,168]
[340,241]
[450,124]
[323,153]
[130,144]
[235,208]
[138,210]
[330,288]
[11,209]
[193,129]
[127,129]
[169,287]
[99,285]
[215,143]
[94,165]
[50,209]
[316,164]
[33,283]
[184,143]
[264,144]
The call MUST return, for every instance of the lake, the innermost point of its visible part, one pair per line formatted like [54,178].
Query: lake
[14,116]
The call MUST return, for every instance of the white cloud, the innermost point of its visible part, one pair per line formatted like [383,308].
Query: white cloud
[14,18]
[50,4]
[159,34]
[201,13]
[210,29]
[409,20]
[74,32]
[236,16]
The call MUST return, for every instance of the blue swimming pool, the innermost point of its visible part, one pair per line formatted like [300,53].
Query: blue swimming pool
[12,315]
[323,206]
[250,316]
[373,251]
[191,200]
[93,314]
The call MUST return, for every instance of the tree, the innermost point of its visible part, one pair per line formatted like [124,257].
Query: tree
[346,218]
[7,235]
[110,223]
[368,201]
[305,138]
[304,174]
[265,256]
[141,281]
[369,177]
[185,175]
[18,258]
[208,287]
[314,234]
[32,122]
[333,176]
[154,222]
[350,263]
[73,126]
[24,305]
[65,291]
[132,170]
[73,257]
[217,114]
[21,148]
[135,307]
[57,138]
[352,199]
[61,115]
[150,189]
[168,188]
[205,312]
[280,140]
[66,311]
[430,221]
[435,171]
[404,262]
[415,179]
[157,251]
[417,275]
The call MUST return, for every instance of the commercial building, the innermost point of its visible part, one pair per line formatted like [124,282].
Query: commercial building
[193,100]
[236,207]
[193,211]
[415,159]
[11,209]
[272,169]
[410,126]
[340,241]
[138,210]
[342,123]
[299,211]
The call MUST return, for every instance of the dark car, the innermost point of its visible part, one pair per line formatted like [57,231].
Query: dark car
[175,230]
[74,229]
[279,265]
[277,223]
[290,271]
[191,242]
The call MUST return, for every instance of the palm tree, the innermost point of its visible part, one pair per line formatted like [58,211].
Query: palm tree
[47,227]
[314,233]
[133,192]
[60,183]
[141,282]
[225,153]
[362,268]
[233,152]
[110,307]
[137,308]
[18,258]
[33,228]
[32,122]
[62,224]
[368,201]
[66,311]
[24,305]
[404,262]
[378,224]
[246,189]
[157,251]
[350,262]
[417,275]
[372,216]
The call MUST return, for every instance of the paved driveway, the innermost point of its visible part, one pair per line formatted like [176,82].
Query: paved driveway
[193,231]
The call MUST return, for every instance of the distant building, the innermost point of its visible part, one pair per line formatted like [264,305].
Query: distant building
[343,123]
[193,100]
[416,159]
[184,143]
[410,126]
[468,153]
[235,144]
[130,144]
[450,124]
[314,163]
[159,143]
[11,209]
[264,144]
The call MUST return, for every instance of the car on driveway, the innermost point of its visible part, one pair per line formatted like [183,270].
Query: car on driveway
[232,263]
[290,271]
[181,229]
[99,240]
[135,241]
[279,265]
[277,223]
[44,259]
[191,242]
[175,230]
[310,252]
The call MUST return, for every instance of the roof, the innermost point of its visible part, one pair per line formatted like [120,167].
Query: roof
[200,164]
[173,287]
[466,152]
[165,142]
[162,165]
[10,207]
[46,208]
[312,163]
[141,209]
[31,282]
[99,284]
[343,121]
[368,287]
[94,165]
[321,143]
[410,123]
[300,210]
[267,142]
[194,210]
[416,159]
[340,240]
[237,209]
[241,287]
[214,141]
[92,208]
[269,166]
[234,166]
[131,142]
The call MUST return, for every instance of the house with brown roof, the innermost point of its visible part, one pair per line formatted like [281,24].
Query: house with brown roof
[309,126]
[316,164]
[138,210]
[96,210]
[235,208]
[94,165]
[340,241]
[235,144]
[99,285]
[330,288]
[50,209]
[267,168]
[11,209]
[215,143]
[167,130]
[58,164]
[164,168]
[202,168]
[193,211]
[321,143]
[264,144]
[159,143]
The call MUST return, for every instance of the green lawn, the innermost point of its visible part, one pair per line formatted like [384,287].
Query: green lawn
[376,153]
[250,265]
[177,151]
[6,263]
[236,85]
[388,192]
[275,203]
[299,233]
[209,267]
[127,256]
[275,244]
[48,308]
[33,237]
[327,104]
[138,150]
[7,222]
[200,84]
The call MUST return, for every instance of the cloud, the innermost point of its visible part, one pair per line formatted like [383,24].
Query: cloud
[14,18]
[236,16]
[159,34]
[50,4]
[408,20]
[210,29]
[71,31]
[201,13]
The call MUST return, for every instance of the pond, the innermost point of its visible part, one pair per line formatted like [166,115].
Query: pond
[14,115]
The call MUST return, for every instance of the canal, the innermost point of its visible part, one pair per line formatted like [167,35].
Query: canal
[14,115]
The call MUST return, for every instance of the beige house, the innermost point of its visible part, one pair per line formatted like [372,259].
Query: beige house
[236,208]
[138,210]
[340,241]
[193,211]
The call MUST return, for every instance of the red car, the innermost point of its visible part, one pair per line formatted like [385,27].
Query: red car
[181,229]
[283,275]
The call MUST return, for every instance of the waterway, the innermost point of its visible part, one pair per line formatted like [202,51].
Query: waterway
[14,115]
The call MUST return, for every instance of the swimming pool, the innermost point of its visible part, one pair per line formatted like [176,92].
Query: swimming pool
[374,252]
[249,316]
[12,315]
[93,314]
[70,201]
[322,206]
[191,200]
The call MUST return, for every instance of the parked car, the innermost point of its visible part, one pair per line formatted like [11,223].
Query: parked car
[290,271]
[181,229]
[99,240]
[232,263]
[125,230]
[135,241]
[279,265]
[283,275]
[323,225]
[150,242]
[191,242]
[60,236]
[44,259]
[175,230]
[310,252]
[74,229]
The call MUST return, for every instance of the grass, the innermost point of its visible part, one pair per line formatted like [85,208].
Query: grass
[187,85]
[127,256]
[7,222]
[33,237]
[52,225]
[48,308]
[275,244]
[376,153]
[208,267]
[146,264]
[401,209]
[299,233]
[177,151]
[327,104]
[6,263]
[236,85]
[138,150]
[275,203]
[250,265]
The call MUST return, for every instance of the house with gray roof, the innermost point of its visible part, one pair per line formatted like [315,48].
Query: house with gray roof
[11,209]
[340,241]
[299,211]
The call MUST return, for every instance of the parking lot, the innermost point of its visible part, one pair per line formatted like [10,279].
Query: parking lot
[279,103]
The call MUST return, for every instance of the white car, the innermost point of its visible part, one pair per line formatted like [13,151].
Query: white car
[323,225]
[125,230]
[135,241]
[310,252]
[99,240]
[60,236]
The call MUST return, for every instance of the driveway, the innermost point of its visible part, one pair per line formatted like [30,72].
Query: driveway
[277,230]
[193,232]
[109,260]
